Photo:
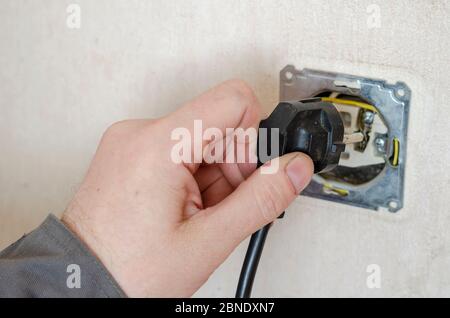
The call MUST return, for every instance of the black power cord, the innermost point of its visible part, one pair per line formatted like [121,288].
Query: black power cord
[310,126]
[251,261]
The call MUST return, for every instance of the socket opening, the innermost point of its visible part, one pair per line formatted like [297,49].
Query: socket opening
[361,162]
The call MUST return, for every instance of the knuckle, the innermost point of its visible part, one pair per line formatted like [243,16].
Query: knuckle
[117,127]
[116,134]
[241,89]
[125,128]
[244,96]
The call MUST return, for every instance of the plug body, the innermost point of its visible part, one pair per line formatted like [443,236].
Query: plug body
[309,126]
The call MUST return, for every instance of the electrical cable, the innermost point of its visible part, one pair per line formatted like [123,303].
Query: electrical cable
[350,103]
[396,151]
[251,261]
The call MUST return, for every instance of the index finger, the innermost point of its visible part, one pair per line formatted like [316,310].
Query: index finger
[231,104]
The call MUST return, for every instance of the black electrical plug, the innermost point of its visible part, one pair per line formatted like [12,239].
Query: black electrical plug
[309,126]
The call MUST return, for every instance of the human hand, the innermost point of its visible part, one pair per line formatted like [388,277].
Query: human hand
[161,228]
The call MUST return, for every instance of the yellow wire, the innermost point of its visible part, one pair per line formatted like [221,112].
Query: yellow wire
[396,152]
[350,103]
[341,192]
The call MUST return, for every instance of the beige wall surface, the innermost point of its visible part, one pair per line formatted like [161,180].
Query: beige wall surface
[61,87]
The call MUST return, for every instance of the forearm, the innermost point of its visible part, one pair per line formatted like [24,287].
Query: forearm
[52,262]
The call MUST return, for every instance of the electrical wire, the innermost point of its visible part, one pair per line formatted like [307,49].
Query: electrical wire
[396,151]
[350,103]
[251,261]
[339,191]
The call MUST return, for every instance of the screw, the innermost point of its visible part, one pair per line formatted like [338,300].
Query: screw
[380,143]
[368,117]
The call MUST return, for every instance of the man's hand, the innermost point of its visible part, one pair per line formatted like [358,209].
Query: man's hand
[162,228]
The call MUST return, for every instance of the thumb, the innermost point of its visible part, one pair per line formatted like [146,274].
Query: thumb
[262,197]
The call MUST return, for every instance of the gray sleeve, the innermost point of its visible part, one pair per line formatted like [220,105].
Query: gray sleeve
[53,262]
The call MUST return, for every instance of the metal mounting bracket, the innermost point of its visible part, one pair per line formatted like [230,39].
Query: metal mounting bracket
[391,100]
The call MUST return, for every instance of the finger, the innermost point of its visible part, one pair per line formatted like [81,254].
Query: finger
[216,192]
[216,183]
[212,117]
[231,104]
[244,163]
[207,175]
[259,200]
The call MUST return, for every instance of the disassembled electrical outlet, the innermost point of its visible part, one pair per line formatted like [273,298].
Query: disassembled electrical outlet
[370,173]
[353,129]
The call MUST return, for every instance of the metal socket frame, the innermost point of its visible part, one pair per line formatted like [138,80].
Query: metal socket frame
[392,101]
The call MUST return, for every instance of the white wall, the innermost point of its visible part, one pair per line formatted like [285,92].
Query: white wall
[60,88]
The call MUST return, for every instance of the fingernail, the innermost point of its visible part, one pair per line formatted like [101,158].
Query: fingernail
[299,171]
